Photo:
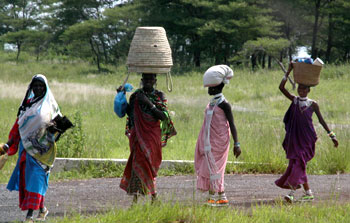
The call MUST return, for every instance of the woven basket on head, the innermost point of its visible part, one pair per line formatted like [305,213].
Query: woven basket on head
[306,74]
[149,51]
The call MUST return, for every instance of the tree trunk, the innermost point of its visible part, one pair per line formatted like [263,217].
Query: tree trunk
[330,37]
[253,60]
[217,55]
[96,54]
[290,53]
[315,29]
[19,44]
[227,54]
[281,56]
[104,49]
[269,61]
[196,50]
[197,57]
[263,60]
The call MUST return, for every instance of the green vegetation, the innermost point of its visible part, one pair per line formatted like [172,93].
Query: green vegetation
[199,32]
[260,214]
[258,108]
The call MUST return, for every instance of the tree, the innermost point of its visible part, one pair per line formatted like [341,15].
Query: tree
[338,32]
[19,17]
[267,46]
[293,27]
[38,40]
[84,34]
[181,19]
[209,29]
[65,13]
[234,22]
[120,24]
[16,38]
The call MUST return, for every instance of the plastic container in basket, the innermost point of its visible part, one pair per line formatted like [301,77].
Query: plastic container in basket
[306,74]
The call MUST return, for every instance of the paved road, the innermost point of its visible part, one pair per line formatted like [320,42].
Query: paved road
[90,196]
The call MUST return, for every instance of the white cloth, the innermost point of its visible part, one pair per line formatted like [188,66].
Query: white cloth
[215,178]
[217,99]
[217,74]
[303,102]
[34,120]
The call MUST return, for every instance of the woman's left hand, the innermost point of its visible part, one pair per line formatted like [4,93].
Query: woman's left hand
[237,151]
[335,142]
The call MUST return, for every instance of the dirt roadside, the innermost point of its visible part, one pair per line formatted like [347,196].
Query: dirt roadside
[94,195]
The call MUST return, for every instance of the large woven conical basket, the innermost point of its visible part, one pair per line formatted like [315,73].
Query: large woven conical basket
[149,51]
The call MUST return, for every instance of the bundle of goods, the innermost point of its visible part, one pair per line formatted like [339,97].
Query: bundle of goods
[307,71]
[3,158]
[217,74]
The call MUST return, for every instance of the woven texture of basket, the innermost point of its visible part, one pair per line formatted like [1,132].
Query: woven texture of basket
[149,51]
[306,74]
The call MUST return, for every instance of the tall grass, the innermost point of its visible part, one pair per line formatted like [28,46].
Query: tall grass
[258,109]
[259,214]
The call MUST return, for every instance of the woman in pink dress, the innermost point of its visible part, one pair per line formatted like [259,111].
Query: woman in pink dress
[213,142]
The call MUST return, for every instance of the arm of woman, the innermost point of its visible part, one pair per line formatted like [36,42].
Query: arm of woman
[284,81]
[11,146]
[157,113]
[323,122]
[226,107]
[128,107]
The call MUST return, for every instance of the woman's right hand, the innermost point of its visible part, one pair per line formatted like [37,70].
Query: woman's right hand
[119,89]
[290,68]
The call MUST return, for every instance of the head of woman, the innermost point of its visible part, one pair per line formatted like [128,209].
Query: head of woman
[303,90]
[38,86]
[148,81]
[216,90]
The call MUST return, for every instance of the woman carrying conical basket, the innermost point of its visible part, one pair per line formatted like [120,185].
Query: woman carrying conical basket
[148,123]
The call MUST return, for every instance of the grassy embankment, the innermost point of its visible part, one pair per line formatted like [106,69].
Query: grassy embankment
[86,97]
[181,214]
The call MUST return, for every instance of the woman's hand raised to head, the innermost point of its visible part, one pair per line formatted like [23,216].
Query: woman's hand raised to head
[290,68]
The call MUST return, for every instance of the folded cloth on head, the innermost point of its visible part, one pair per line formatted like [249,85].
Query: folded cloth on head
[217,74]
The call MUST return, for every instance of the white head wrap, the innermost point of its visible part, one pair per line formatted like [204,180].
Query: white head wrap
[215,75]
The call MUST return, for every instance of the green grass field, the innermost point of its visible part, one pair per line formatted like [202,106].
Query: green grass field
[169,213]
[86,97]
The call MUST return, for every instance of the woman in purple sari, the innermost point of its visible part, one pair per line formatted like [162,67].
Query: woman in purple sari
[300,139]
